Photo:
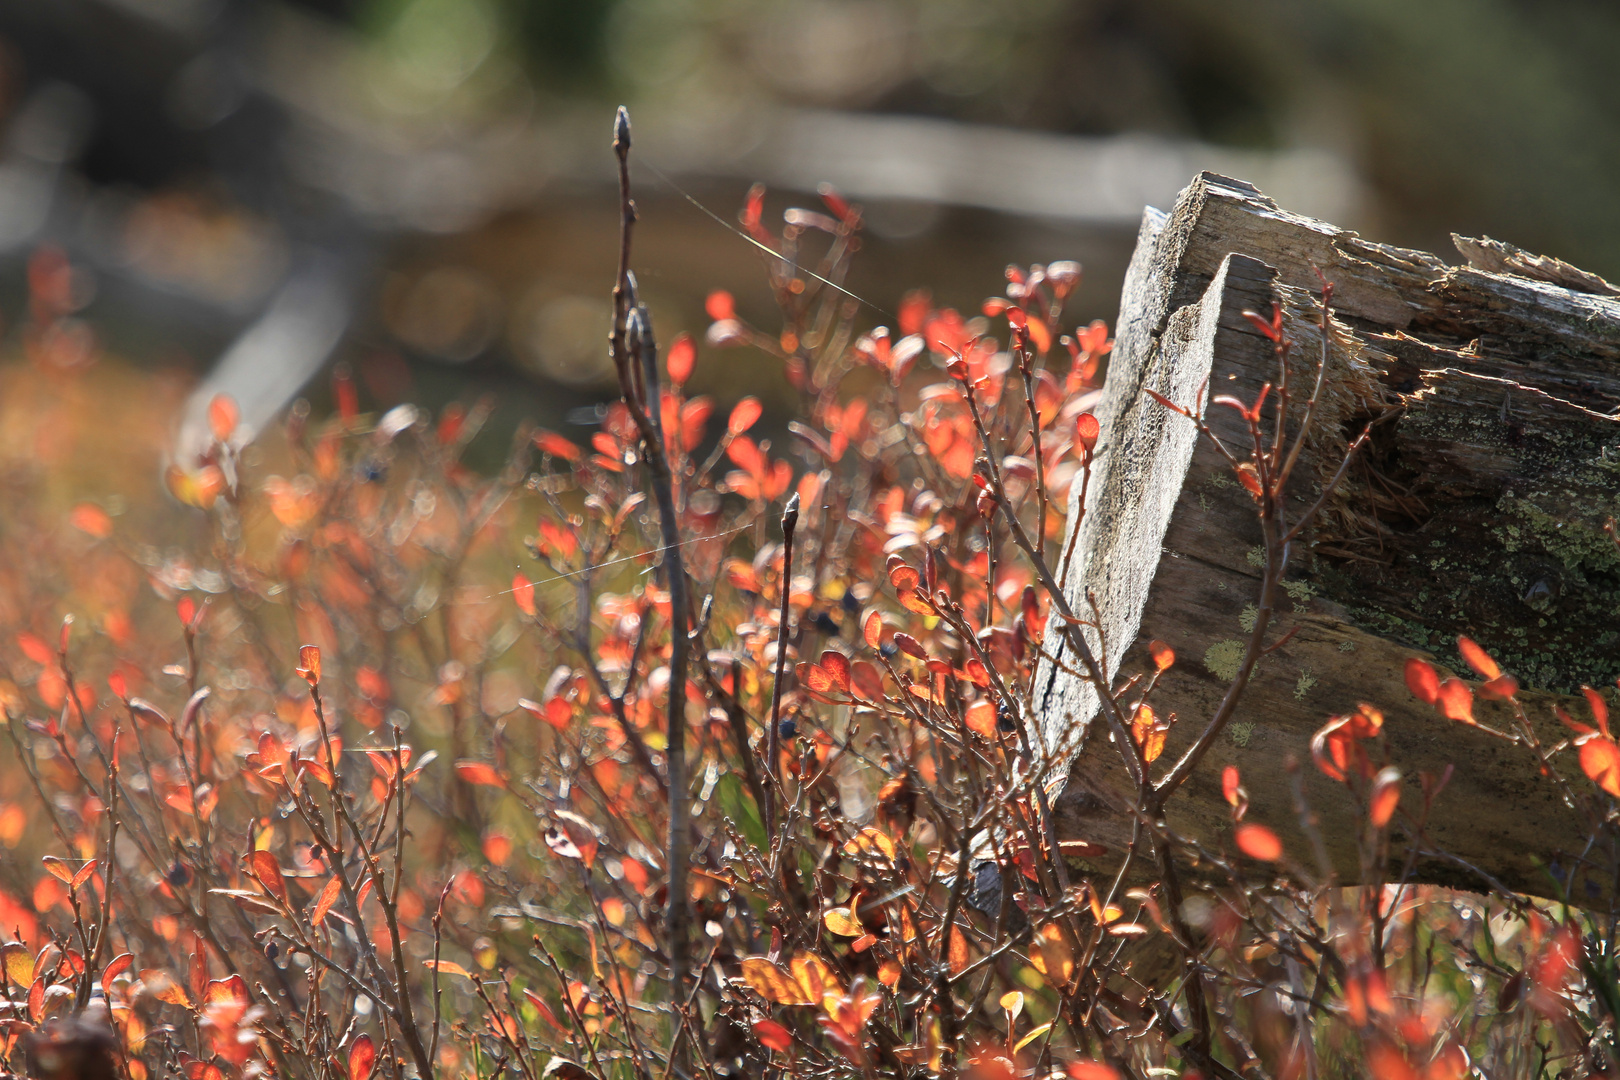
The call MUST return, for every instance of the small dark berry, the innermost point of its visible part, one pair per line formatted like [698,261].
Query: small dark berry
[788,728]
[179,874]
[271,950]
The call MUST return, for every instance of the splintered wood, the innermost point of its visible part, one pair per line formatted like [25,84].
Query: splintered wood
[1492,393]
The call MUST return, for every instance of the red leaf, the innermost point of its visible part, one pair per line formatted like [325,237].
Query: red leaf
[1258,842]
[1386,796]
[1163,655]
[902,575]
[872,629]
[268,871]
[223,416]
[1090,1070]
[1231,782]
[324,902]
[910,646]
[523,594]
[549,442]
[1478,659]
[772,1035]
[362,1057]
[1249,477]
[115,967]
[309,663]
[682,355]
[1600,761]
[1422,681]
[480,773]
[1456,701]
[92,519]
[1600,708]
[981,719]
[744,416]
[836,664]
[1086,430]
[720,305]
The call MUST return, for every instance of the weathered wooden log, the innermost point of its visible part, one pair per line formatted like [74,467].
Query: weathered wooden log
[1478,508]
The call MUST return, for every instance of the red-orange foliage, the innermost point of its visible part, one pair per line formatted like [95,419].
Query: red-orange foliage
[361,801]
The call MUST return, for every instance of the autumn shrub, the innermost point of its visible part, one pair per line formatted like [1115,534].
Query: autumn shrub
[738,773]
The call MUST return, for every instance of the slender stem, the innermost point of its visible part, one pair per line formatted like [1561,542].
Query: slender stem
[790,520]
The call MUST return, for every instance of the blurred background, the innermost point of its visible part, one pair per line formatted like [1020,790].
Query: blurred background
[244,192]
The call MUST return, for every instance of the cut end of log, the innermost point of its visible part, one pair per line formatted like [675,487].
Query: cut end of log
[1492,394]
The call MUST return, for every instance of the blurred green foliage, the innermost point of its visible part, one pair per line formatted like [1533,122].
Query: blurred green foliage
[1476,115]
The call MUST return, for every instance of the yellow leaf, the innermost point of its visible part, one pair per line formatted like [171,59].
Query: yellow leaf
[842,921]
[869,839]
[772,983]
[1034,1034]
[18,962]
[447,967]
[1012,1003]
[815,977]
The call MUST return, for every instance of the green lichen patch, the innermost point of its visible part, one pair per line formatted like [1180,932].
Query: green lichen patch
[1306,682]
[1224,658]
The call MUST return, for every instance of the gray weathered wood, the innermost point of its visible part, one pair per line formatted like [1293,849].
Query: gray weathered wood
[1478,509]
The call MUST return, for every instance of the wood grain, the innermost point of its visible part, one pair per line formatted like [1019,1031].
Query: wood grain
[1478,509]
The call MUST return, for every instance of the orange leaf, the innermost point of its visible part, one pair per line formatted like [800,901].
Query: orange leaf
[746,413]
[324,902]
[1600,708]
[1249,477]
[815,977]
[479,772]
[447,967]
[815,677]
[1600,761]
[268,871]
[523,594]
[772,983]
[1231,780]
[92,519]
[549,442]
[1478,659]
[981,718]
[223,416]
[956,951]
[836,665]
[1456,701]
[1422,681]
[772,1035]
[115,967]
[1090,1070]
[1258,842]
[1086,430]
[1163,655]
[872,630]
[1053,956]
[1386,796]
[362,1057]
[682,356]
[309,663]
[231,993]
[842,922]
